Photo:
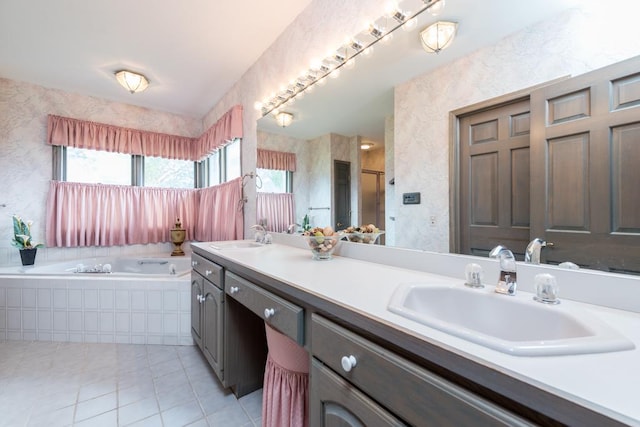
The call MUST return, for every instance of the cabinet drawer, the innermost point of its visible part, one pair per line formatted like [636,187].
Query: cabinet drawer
[208,269]
[421,397]
[281,314]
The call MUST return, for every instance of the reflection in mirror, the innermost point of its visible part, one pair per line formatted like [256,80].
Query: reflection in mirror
[400,98]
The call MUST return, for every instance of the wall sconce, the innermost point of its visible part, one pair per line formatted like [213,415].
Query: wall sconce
[284,119]
[133,82]
[438,36]
[366,146]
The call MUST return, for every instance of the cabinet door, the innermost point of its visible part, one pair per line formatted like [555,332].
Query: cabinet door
[212,327]
[335,403]
[196,294]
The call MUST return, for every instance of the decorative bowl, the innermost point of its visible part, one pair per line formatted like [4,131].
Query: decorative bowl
[322,247]
[359,237]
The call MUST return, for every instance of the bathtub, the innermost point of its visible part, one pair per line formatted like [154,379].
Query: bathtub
[142,300]
[121,266]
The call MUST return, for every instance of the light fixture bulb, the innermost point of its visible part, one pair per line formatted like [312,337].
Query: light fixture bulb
[437,8]
[133,82]
[366,146]
[410,25]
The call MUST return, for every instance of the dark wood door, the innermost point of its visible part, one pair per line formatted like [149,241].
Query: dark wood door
[342,194]
[333,402]
[585,168]
[494,178]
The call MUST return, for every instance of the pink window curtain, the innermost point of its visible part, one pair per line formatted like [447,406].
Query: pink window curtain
[81,214]
[278,160]
[70,132]
[277,208]
[220,212]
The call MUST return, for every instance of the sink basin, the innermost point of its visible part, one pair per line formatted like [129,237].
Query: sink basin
[236,244]
[514,325]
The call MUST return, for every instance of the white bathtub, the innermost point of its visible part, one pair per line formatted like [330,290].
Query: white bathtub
[121,266]
[141,301]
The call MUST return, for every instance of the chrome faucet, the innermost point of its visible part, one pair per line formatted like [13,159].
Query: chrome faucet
[532,253]
[507,281]
[261,234]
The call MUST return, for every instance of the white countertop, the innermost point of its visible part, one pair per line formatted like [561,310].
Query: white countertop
[605,382]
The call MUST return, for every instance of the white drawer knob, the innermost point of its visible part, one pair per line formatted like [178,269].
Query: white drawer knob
[194,263]
[268,312]
[207,272]
[234,290]
[348,363]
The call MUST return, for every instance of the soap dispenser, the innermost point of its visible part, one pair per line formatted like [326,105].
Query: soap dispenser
[507,282]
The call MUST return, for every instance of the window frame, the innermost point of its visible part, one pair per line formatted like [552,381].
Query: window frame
[201,170]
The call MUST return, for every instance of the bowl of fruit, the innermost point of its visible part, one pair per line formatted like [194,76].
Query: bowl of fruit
[363,234]
[322,241]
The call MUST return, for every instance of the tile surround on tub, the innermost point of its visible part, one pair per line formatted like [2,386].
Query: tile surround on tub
[143,311]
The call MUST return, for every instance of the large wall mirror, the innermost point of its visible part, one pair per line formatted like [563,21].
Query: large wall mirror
[388,100]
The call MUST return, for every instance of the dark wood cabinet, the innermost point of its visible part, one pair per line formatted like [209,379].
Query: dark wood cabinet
[369,369]
[207,312]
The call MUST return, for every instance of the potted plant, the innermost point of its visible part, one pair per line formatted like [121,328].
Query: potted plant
[22,240]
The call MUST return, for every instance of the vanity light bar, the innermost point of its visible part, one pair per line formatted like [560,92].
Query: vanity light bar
[327,67]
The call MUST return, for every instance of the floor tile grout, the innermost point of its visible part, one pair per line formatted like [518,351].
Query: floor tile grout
[88,367]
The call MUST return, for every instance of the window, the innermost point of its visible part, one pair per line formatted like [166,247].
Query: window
[274,181]
[232,160]
[169,173]
[95,167]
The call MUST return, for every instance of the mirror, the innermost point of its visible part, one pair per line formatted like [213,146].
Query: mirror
[359,104]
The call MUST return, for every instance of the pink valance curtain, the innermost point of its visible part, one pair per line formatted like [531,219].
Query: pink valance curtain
[277,208]
[227,128]
[81,214]
[76,133]
[278,160]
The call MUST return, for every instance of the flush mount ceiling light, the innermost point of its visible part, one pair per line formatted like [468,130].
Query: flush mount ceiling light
[438,36]
[133,82]
[378,31]
[284,119]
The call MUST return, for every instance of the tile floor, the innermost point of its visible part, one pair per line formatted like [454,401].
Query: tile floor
[68,384]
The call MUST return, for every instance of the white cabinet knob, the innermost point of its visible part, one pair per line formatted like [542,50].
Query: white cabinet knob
[198,297]
[268,312]
[348,363]
[207,272]
[233,290]
[194,263]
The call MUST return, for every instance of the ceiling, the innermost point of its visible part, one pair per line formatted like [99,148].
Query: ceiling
[192,51]
[357,102]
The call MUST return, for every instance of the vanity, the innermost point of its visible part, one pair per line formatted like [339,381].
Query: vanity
[371,366]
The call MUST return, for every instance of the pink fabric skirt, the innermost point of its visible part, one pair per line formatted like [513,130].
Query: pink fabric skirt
[286,383]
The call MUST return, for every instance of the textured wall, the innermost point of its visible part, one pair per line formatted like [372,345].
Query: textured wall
[569,44]
[26,160]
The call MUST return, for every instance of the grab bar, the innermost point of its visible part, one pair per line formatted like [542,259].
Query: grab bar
[141,262]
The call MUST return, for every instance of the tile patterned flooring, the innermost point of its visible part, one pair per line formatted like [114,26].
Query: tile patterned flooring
[77,384]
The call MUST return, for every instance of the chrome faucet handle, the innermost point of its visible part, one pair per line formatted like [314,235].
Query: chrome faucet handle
[546,289]
[532,253]
[507,281]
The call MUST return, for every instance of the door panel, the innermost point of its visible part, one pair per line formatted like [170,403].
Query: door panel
[494,178]
[585,153]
